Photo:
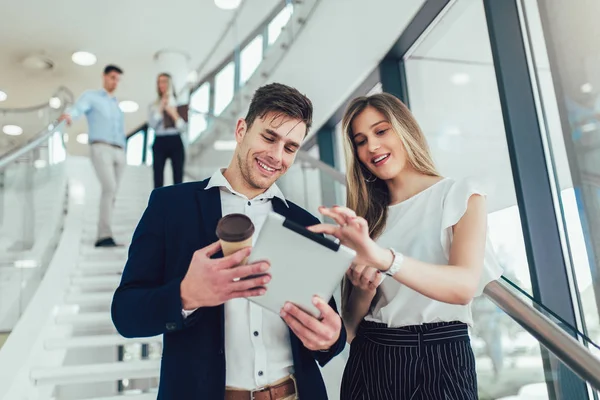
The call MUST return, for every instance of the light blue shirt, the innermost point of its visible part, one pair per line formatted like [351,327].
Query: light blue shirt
[105,119]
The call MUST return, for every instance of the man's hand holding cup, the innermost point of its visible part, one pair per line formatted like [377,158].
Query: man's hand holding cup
[211,282]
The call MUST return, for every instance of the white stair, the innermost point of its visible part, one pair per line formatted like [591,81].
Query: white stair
[75,347]
[105,372]
[96,341]
[84,283]
[90,299]
[85,320]
[143,396]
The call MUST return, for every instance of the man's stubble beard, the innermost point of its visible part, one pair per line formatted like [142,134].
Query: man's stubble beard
[245,171]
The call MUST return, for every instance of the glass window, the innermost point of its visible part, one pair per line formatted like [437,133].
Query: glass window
[571,125]
[279,22]
[56,149]
[454,97]
[199,106]
[250,58]
[135,145]
[224,87]
[149,144]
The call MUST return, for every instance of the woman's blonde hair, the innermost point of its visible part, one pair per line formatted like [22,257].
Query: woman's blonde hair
[368,196]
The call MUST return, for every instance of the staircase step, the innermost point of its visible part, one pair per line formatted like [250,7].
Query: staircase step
[86,320]
[95,282]
[141,396]
[90,299]
[96,341]
[91,373]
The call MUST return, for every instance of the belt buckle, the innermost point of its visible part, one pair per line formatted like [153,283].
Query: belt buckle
[253,391]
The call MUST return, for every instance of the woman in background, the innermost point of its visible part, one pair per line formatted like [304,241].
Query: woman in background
[168,126]
[421,259]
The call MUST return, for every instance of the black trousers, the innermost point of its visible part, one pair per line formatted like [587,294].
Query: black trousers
[168,147]
[421,362]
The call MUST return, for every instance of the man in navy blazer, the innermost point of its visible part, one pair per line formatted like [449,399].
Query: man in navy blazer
[217,344]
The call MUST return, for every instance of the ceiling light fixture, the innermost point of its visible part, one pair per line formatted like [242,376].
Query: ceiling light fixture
[83,58]
[3,95]
[225,145]
[587,88]
[82,138]
[228,4]
[39,163]
[12,130]
[461,78]
[453,131]
[26,264]
[55,103]
[128,106]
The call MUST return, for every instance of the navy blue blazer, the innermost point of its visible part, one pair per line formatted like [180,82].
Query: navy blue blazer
[178,221]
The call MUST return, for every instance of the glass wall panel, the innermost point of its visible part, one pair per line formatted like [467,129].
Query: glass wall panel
[279,22]
[199,107]
[454,97]
[250,58]
[568,88]
[224,87]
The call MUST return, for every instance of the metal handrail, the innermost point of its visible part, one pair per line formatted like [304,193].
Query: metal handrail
[39,106]
[572,353]
[566,348]
[37,140]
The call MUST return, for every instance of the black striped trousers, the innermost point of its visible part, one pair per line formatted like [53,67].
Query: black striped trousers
[421,362]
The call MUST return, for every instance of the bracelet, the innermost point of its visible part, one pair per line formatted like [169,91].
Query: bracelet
[396,263]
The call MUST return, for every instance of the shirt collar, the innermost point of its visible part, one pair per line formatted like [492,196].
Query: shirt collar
[219,180]
[105,93]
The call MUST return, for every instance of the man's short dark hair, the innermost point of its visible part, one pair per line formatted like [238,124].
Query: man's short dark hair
[281,100]
[112,68]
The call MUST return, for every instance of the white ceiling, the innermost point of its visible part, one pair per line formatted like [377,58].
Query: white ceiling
[126,33]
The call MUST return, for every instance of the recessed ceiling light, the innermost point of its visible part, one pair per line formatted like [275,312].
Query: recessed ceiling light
[39,163]
[3,96]
[225,145]
[587,88]
[228,4]
[12,130]
[83,58]
[82,138]
[128,106]
[55,103]
[461,78]
[192,77]
[589,127]
[453,131]
[26,264]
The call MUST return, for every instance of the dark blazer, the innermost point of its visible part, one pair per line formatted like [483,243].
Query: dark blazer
[178,221]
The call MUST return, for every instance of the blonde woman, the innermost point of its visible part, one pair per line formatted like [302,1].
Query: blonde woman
[168,126]
[421,258]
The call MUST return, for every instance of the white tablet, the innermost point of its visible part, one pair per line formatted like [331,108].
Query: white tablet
[303,264]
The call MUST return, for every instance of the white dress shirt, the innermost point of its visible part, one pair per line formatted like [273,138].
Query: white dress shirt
[257,341]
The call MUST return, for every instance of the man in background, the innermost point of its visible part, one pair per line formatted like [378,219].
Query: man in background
[106,133]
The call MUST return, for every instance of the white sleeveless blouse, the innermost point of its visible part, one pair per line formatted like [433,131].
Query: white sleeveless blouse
[421,228]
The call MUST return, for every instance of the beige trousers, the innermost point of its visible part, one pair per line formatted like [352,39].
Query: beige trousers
[109,163]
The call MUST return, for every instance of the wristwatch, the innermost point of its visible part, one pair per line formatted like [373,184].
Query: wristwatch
[396,263]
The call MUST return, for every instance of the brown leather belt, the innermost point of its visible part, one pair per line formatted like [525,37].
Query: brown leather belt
[275,392]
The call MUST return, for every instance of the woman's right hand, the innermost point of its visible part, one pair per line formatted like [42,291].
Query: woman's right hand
[365,278]
[164,103]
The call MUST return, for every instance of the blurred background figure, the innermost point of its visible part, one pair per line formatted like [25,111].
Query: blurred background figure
[107,144]
[168,124]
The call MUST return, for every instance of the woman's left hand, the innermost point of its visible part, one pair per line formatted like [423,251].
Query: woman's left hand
[353,232]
